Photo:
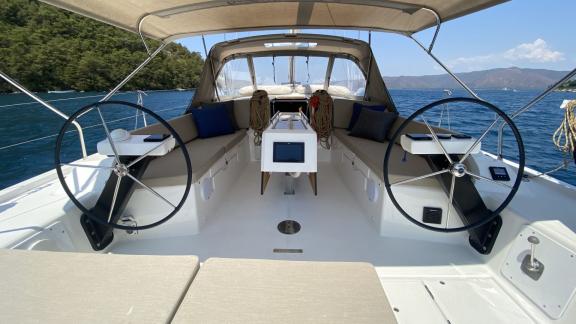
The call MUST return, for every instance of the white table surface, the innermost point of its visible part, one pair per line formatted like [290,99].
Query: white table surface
[452,146]
[135,146]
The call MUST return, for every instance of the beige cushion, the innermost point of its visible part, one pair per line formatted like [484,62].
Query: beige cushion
[204,152]
[58,287]
[414,127]
[183,125]
[372,154]
[270,291]
[242,113]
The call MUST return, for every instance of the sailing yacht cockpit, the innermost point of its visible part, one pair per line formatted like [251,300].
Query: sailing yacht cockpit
[291,189]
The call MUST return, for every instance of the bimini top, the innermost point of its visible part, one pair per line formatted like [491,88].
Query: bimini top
[172,19]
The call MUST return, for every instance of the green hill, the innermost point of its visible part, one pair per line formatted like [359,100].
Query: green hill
[46,48]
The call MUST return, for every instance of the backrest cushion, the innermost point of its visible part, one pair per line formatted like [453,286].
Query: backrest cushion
[358,107]
[183,125]
[373,124]
[229,105]
[242,113]
[214,121]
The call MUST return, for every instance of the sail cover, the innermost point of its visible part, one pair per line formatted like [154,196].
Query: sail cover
[172,19]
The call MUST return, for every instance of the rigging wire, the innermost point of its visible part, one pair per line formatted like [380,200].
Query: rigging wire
[73,130]
[274,68]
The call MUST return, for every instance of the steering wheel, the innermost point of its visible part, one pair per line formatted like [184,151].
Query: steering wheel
[121,169]
[456,166]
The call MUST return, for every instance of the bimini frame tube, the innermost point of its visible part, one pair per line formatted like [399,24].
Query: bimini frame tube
[49,106]
[530,105]
[133,73]
[429,52]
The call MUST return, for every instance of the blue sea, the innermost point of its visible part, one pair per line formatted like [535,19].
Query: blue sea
[36,127]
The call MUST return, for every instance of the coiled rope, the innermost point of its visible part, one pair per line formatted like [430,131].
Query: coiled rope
[321,105]
[565,136]
[259,114]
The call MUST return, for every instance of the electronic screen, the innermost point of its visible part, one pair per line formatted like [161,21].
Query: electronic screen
[461,136]
[419,137]
[288,152]
[156,138]
[499,174]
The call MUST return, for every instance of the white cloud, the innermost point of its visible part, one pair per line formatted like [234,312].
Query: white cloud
[535,52]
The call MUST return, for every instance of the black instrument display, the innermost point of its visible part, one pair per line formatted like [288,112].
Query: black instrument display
[499,173]
[156,137]
[288,152]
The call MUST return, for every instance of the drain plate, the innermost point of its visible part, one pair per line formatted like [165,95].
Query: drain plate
[289,227]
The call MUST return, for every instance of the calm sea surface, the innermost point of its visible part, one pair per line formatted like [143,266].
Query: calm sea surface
[29,122]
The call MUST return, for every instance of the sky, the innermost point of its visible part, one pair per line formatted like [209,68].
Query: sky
[523,33]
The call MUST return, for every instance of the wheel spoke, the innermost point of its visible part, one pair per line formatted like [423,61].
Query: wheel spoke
[151,190]
[87,166]
[419,178]
[118,180]
[437,140]
[479,177]
[478,141]
[144,155]
[450,200]
[116,156]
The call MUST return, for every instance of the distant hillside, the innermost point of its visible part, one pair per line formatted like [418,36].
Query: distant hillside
[46,48]
[511,78]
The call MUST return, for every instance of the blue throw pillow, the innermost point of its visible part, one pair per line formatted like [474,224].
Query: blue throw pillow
[214,121]
[357,108]
[373,125]
[229,107]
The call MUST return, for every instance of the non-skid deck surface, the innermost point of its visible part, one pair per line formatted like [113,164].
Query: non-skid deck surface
[334,228]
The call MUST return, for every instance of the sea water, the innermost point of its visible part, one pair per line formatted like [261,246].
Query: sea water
[37,126]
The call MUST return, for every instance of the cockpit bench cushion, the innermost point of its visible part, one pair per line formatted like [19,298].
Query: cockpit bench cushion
[203,152]
[372,154]
[183,125]
[273,291]
[60,287]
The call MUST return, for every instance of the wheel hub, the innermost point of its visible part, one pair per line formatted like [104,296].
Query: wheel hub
[458,170]
[121,170]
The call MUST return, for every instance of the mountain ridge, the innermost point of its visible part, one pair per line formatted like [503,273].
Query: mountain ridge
[498,78]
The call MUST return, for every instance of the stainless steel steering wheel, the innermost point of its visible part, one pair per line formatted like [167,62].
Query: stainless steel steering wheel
[455,165]
[120,168]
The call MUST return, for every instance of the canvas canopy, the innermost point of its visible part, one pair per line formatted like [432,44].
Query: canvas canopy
[293,45]
[172,19]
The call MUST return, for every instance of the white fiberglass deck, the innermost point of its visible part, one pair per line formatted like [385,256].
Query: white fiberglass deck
[423,280]
[333,227]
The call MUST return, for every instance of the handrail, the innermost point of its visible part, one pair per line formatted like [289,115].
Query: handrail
[50,107]
[529,105]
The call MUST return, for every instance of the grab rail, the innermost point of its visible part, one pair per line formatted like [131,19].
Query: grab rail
[49,106]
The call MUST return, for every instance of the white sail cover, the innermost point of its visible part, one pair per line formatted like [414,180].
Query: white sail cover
[172,19]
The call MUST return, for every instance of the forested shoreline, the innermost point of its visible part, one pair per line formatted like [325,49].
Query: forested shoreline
[46,48]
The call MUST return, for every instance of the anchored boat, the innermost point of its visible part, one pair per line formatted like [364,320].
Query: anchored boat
[290,190]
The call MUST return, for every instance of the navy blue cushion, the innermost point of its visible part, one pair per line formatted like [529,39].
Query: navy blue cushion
[357,108]
[214,121]
[229,107]
[373,124]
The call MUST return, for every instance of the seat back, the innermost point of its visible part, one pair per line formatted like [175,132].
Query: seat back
[183,125]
